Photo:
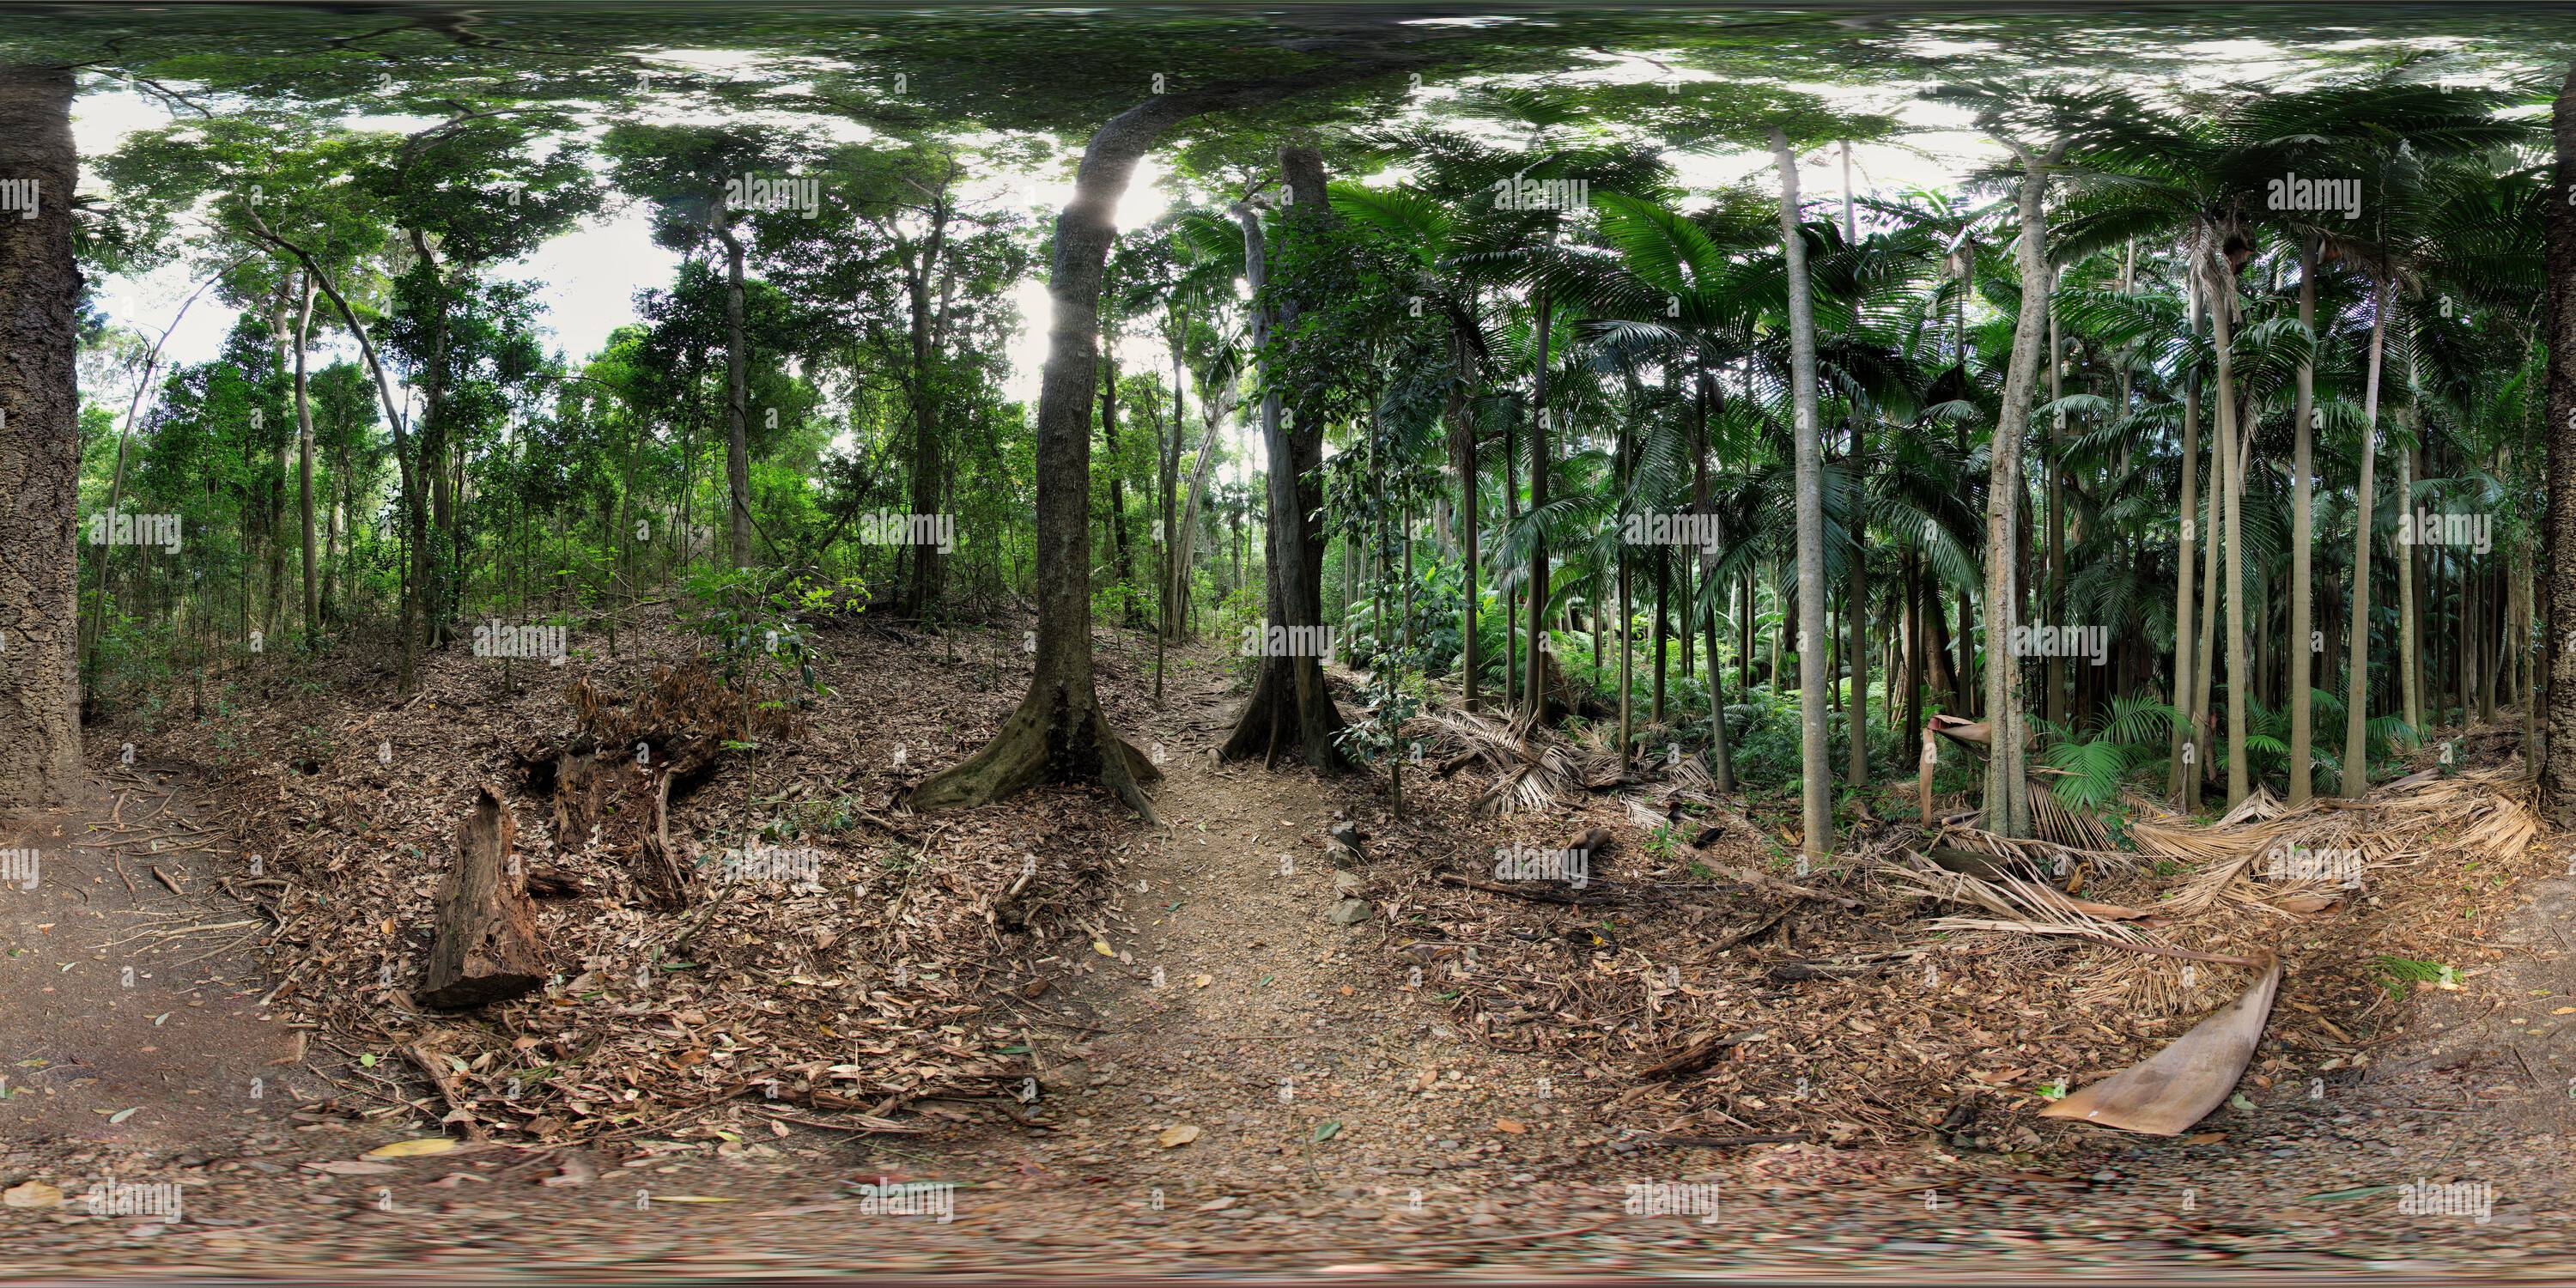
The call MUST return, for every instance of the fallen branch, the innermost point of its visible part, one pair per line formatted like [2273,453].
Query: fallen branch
[2071,932]
[1533,895]
[1755,1138]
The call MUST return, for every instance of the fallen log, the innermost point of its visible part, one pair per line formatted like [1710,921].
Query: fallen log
[485,946]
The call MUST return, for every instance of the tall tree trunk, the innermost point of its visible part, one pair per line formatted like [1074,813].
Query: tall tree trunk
[1512,603]
[1059,732]
[1534,680]
[2302,538]
[281,335]
[1914,652]
[1856,599]
[1663,626]
[405,459]
[2355,778]
[1213,412]
[1291,709]
[304,465]
[737,402]
[1462,428]
[2007,798]
[1627,616]
[1722,757]
[2183,773]
[1940,673]
[929,452]
[2204,670]
[1121,550]
[2465,654]
[2053,610]
[40,759]
[1817,812]
[1744,634]
[2232,445]
[2410,664]
[429,571]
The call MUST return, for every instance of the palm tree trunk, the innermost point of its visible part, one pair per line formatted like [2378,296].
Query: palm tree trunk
[2205,670]
[2183,775]
[2053,610]
[1463,425]
[2302,613]
[2007,797]
[1627,712]
[1817,812]
[1914,655]
[1722,758]
[1663,628]
[2356,759]
[1534,681]
[2410,664]
[2232,465]
[1511,603]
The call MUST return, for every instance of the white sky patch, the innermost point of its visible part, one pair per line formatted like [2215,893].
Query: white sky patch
[592,275]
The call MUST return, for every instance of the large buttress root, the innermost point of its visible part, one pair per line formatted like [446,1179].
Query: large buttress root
[1053,737]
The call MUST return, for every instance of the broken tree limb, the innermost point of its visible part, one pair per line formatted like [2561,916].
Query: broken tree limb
[1696,1056]
[485,945]
[1533,893]
[1729,1142]
[435,1067]
[1765,881]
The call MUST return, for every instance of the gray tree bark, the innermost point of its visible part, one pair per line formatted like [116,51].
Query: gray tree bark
[1291,709]
[2558,554]
[40,759]
[2007,798]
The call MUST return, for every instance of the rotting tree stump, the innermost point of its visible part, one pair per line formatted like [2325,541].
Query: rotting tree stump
[620,799]
[486,948]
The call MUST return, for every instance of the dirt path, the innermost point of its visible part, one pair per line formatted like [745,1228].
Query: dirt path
[135,1026]
[1239,1054]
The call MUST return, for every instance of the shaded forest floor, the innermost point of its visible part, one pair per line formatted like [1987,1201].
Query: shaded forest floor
[1179,1049]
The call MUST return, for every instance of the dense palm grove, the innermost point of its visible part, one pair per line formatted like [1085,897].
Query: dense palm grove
[2196,443]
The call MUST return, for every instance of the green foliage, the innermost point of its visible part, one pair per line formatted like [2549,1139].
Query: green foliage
[753,622]
[2123,740]
[2400,975]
